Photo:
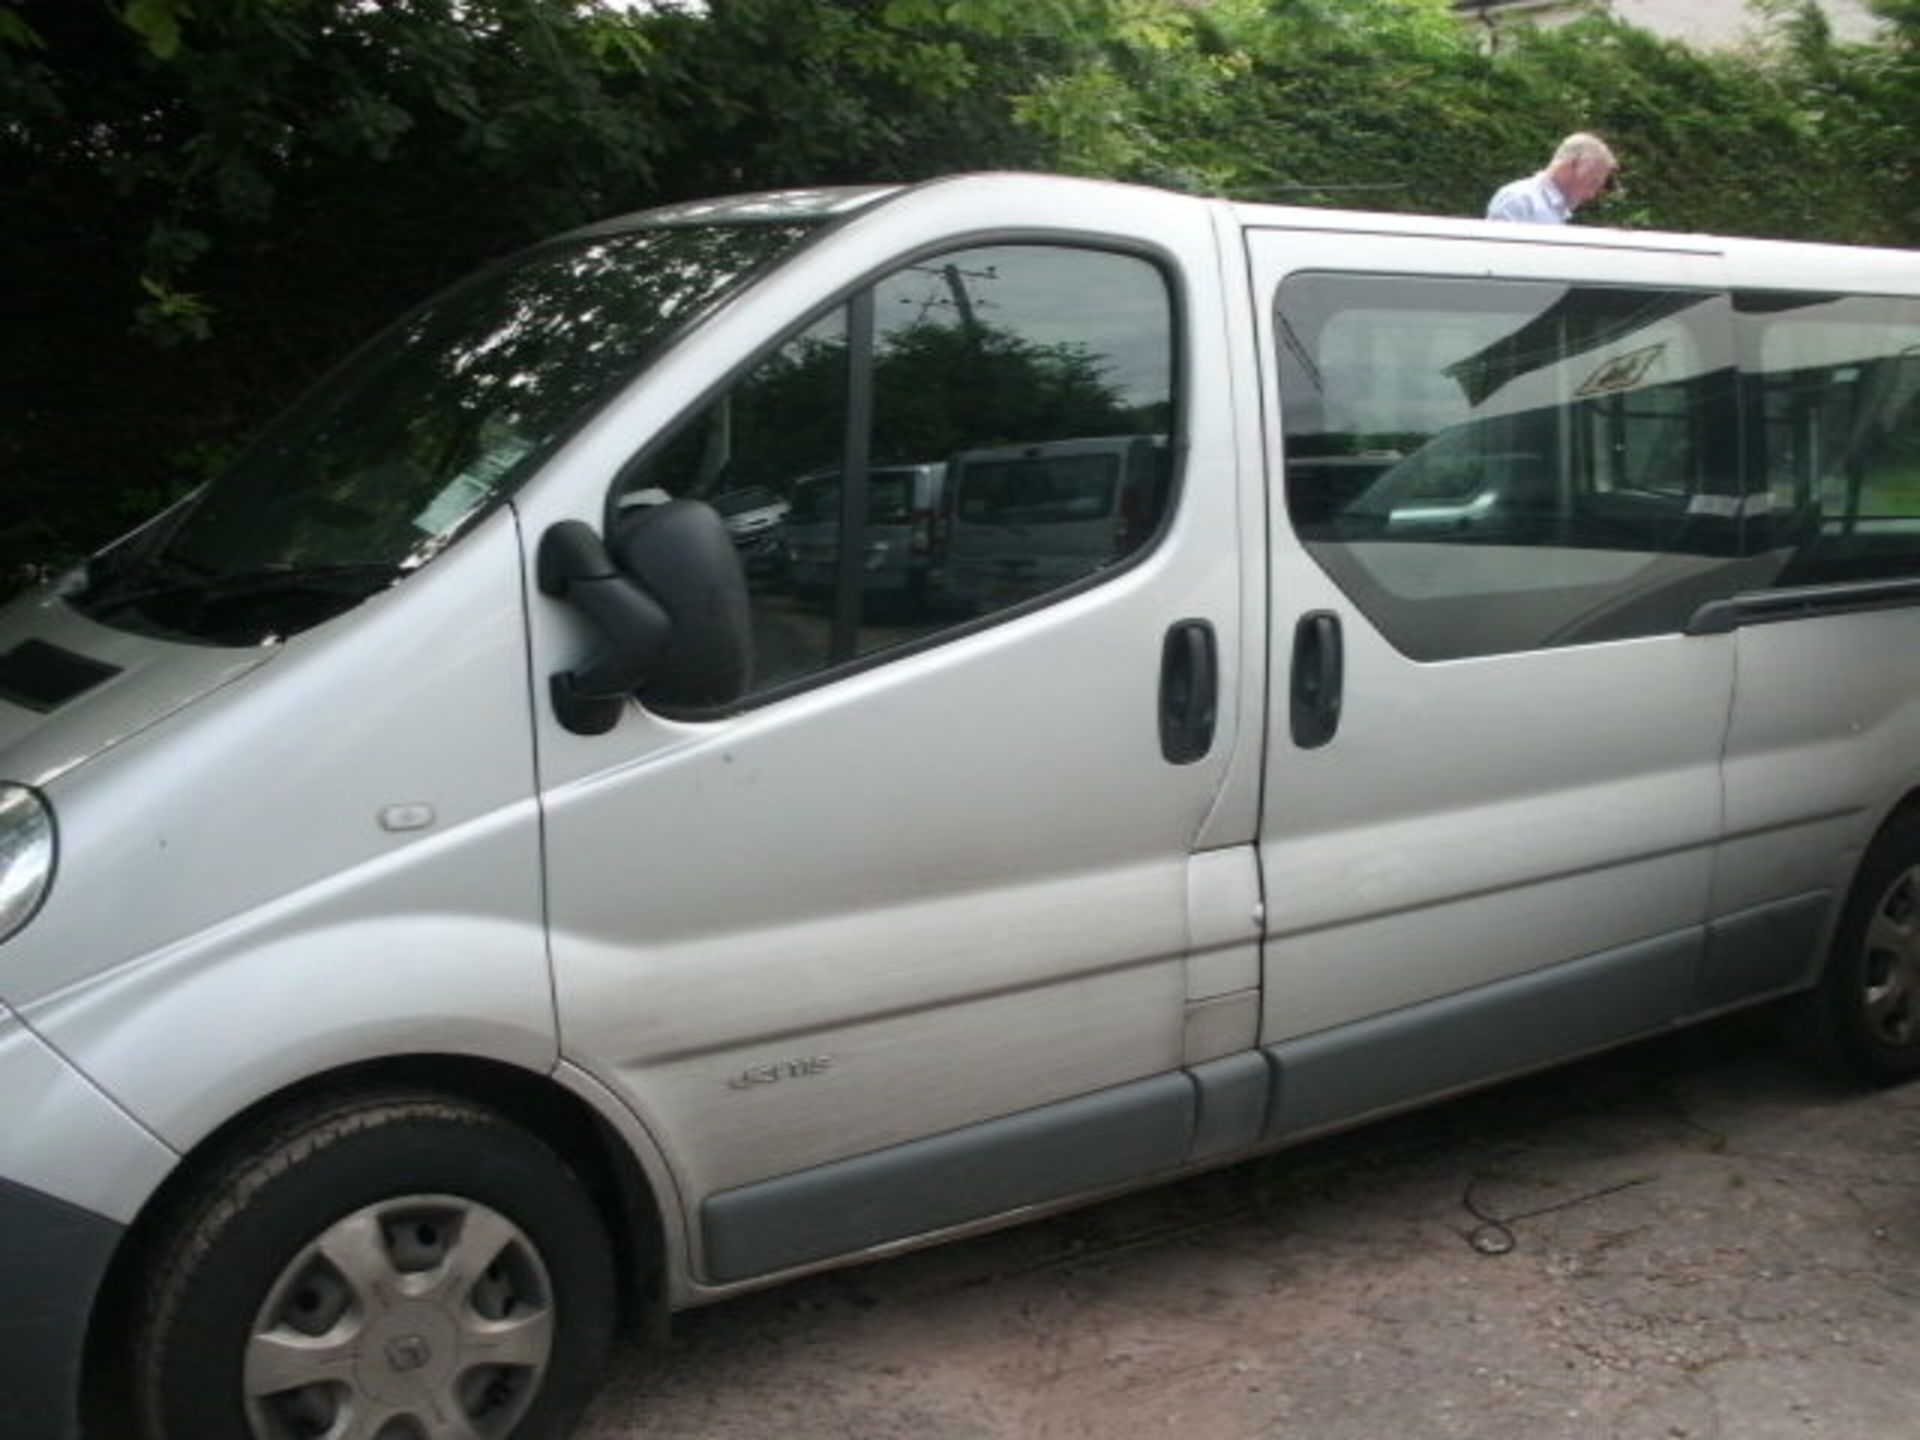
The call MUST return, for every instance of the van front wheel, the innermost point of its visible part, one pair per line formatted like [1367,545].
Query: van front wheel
[400,1266]
[1867,1009]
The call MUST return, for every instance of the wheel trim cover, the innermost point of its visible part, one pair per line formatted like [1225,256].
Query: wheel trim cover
[411,1351]
[1890,990]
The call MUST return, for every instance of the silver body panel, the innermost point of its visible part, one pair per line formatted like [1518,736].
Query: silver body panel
[153,679]
[231,915]
[1824,738]
[67,1139]
[1826,734]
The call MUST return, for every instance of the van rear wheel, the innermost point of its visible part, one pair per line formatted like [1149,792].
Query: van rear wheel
[403,1266]
[1866,1012]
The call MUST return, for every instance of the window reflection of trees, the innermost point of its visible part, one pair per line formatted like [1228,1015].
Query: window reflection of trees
[938,389]
[1012,346]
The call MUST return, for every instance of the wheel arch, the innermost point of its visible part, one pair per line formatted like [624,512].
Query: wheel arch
[558,1116]
[1904,809]
[1906,806]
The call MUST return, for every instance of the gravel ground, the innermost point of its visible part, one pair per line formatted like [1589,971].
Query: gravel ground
[1700,1237]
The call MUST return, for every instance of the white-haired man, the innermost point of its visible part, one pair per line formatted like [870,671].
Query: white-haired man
[1581,168]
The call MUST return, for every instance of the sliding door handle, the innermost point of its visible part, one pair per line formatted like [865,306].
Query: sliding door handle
[1318,666]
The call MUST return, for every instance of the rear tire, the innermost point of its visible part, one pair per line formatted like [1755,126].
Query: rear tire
[397,1265]
[1865,1014]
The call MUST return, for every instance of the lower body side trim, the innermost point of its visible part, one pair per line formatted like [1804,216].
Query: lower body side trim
[1763,951]
[1110,1138]
[1437,1046]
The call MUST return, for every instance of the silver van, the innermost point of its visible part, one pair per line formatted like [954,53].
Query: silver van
[449,900]
[1027,519]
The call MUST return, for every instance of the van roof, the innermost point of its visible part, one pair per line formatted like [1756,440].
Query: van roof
[1751,261]
[759,207]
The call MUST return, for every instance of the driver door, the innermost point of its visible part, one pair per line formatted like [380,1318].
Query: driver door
[900,939]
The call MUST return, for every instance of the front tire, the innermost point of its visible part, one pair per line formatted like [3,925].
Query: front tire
[399,1267]
[1866,1012]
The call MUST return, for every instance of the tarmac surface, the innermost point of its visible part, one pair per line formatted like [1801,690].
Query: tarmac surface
[1700,1238]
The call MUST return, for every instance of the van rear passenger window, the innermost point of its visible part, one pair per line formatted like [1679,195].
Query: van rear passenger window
[1833,398]
[974,431]
[1493,466]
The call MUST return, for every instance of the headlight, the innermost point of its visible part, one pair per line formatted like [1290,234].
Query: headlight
[26,855]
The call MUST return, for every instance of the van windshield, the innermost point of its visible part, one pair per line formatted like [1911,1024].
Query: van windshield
[399,451]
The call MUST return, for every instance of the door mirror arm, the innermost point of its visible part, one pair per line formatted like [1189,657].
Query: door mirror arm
[573,566]
[669,600]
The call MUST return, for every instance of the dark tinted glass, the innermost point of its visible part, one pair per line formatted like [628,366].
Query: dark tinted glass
[1054,418]
[1833,400]
[890,498]
[1017,436]
[1037,490]
[386,463]
[1496,466]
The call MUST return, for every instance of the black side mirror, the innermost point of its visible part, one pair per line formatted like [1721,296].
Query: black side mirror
[670,602]
[681,552]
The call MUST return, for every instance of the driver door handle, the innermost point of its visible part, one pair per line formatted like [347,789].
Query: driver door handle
[1189,691]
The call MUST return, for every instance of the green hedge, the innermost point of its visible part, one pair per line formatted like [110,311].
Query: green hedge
[206,204]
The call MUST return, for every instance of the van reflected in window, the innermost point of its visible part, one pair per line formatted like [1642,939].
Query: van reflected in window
[1029,519]
[897,546]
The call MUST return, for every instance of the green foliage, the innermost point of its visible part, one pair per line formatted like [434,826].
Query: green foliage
[207,200]
[1017,389]
[16,33]
[158,23]
[210,115]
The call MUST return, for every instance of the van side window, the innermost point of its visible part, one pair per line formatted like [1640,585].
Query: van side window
[1833,399]
[985,426]
[1493,466]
